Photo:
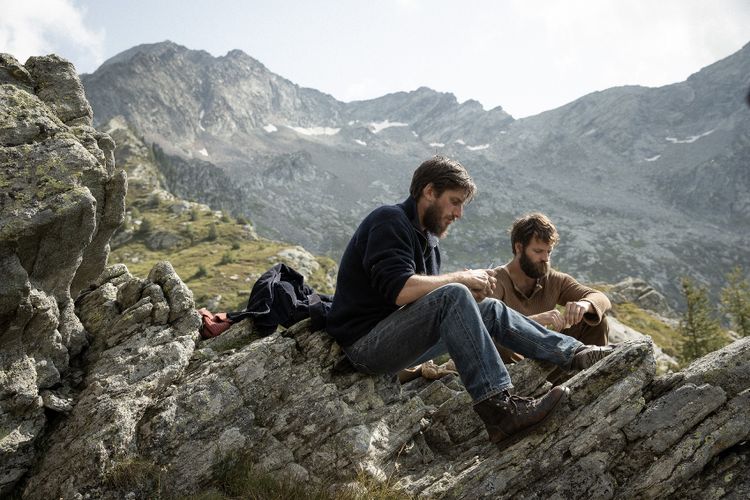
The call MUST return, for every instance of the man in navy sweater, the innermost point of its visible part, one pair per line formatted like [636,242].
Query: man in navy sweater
[393,309]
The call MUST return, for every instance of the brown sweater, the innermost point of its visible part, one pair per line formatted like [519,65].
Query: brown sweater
[555,288]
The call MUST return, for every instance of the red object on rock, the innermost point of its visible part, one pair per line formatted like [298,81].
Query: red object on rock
[213,324]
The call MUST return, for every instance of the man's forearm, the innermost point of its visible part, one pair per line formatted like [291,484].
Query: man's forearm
[479,281]
[418,285]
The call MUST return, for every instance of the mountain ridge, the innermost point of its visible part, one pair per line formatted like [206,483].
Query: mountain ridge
[616,169]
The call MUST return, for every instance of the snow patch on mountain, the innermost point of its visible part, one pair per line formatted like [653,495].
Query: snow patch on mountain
[315,130]
[376,127]
[200,122]
[690,139]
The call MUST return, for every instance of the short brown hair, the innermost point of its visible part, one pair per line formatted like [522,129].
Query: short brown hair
[534,224]
[443,173]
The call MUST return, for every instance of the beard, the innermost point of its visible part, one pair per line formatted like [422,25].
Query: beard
[535,271]
[434,222]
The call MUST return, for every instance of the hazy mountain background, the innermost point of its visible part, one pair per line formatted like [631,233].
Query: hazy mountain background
[646,182]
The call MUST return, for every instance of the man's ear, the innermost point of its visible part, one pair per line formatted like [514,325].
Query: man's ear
[518,247]
[429,191]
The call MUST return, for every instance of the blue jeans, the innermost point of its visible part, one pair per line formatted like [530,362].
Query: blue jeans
[448,319]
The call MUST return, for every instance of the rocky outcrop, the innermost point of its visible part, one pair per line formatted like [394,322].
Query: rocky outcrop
[640,293]
[144,333]
[156,399]
[61,198]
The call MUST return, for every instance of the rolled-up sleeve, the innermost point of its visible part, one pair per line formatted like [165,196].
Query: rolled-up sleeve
[571,290]
[389,258]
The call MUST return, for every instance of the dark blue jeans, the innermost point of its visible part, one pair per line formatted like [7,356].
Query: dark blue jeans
[450,320]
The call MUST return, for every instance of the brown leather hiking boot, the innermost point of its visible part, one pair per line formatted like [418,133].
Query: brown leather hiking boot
[589,355]
[508,418]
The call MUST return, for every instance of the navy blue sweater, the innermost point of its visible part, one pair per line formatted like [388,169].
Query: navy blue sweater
[387,248]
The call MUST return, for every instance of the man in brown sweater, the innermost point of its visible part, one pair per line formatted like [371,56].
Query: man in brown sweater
[530,286]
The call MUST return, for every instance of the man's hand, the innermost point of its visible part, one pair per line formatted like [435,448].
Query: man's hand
[574,312]
[479,281]
[552,319]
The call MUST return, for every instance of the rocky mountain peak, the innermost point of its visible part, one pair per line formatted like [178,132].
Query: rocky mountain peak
[148,51]
[239,55]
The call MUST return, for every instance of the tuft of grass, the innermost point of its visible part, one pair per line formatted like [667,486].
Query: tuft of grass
[146,226]
[136,475]
[213,232]
[237,477]
[200,273]
[227,258]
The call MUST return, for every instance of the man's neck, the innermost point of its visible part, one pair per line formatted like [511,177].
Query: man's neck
[520,279]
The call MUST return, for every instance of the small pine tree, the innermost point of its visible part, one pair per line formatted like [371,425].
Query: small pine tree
[189,233]
[200,273]
[146,226]
[700,330]
[735,301]
[227,258]
[213,233]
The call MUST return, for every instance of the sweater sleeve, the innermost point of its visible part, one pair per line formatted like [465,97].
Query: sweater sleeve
[499,292]
[571,291]
[389,258]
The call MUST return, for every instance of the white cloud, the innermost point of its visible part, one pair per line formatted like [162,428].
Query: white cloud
[41,27]
[574,47]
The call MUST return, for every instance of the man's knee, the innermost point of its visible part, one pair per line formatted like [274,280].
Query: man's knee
[590,334]
[493,307]
[455,291]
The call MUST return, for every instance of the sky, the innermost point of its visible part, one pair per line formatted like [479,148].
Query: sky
[527,56]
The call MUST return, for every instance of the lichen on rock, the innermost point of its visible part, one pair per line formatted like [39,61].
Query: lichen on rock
[61,198]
